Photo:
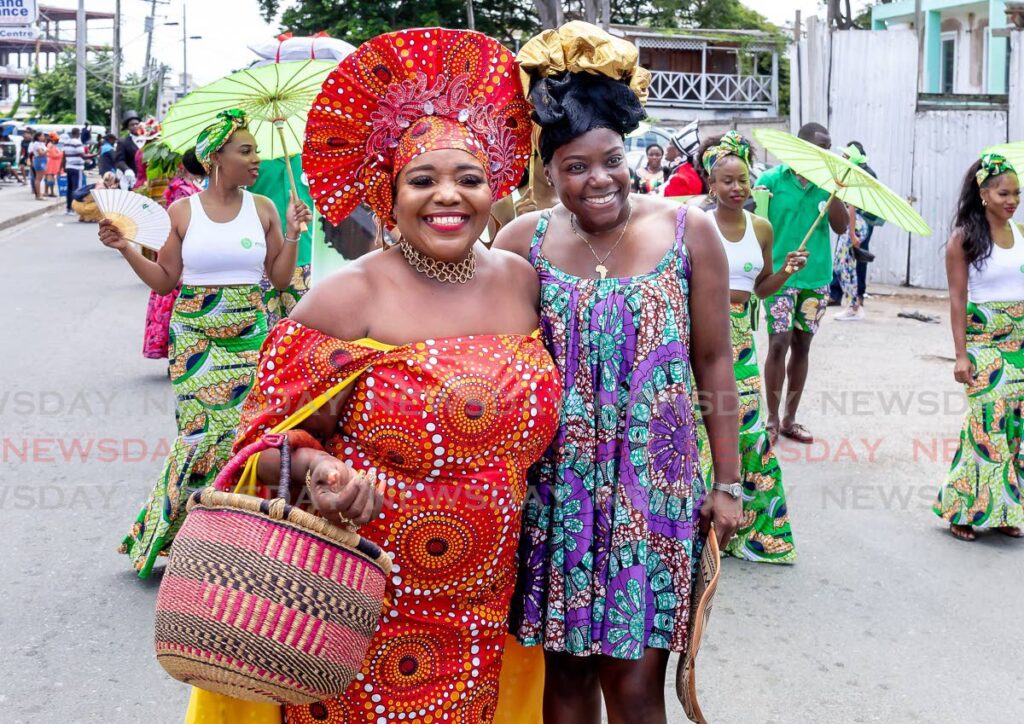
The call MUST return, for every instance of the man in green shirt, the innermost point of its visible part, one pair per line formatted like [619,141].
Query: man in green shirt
[793,314]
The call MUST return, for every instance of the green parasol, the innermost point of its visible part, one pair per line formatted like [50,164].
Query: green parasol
[1012,152]
[275,97]
[841,179]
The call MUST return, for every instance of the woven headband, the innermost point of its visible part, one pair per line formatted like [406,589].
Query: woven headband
[992,164]
[214,136]
[732,144]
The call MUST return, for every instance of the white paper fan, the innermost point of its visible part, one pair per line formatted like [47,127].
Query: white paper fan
[139,218]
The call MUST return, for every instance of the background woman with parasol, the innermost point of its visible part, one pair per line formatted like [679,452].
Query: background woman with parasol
[221,242]
[276,98]
[764,535]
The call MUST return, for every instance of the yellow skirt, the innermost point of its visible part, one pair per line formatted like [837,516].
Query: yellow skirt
[520,695]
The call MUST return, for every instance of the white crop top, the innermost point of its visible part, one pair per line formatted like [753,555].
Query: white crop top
[220,254]
[746,260]
[1001,279]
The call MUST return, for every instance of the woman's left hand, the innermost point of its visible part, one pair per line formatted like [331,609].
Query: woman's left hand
[725,512]
[298,216]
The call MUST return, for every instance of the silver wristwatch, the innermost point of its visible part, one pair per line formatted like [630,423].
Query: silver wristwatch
[735,490]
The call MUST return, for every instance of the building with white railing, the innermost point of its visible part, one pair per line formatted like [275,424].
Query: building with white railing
[708,74]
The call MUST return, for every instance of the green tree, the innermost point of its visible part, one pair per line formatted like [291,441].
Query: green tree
[358,20]
[54,90]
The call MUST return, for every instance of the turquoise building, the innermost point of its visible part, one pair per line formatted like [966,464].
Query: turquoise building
[961,53]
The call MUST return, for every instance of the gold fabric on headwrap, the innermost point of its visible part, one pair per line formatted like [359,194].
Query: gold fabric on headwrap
[581,47]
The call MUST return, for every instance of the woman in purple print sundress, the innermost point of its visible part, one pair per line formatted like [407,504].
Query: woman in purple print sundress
[611,526]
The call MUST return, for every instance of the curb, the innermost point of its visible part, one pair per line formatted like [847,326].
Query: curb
[28,215]
[909,294]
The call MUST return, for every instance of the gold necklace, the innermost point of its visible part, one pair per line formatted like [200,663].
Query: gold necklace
[458,272]
[601,268]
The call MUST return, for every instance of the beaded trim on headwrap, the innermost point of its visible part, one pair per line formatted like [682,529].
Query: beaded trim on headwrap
[214,136]
[407,93]
[992,164]
[732,144]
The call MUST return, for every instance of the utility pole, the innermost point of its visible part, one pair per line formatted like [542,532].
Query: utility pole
[470,20]
[150,26]
[115,110]
[80,107]
[606,14]
[184,52]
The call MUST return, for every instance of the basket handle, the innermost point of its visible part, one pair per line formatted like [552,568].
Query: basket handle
[270,440]
[284,485]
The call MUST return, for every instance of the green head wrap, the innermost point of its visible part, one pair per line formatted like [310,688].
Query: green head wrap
[214,136]
[992,164]
[732,144]
[854,155]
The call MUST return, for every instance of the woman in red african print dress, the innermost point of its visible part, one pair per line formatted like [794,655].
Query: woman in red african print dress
[421,362]
[451,427]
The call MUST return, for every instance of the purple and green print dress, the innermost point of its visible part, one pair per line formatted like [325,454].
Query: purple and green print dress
[609,528]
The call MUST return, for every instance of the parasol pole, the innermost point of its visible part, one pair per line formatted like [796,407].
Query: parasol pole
[824,210]
[279,125]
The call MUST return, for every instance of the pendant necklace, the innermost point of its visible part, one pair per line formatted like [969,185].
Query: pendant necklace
[601,268]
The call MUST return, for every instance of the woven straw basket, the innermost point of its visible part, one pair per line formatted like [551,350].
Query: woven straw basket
[264,602]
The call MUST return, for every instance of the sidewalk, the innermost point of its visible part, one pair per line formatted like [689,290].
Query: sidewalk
[17,205]
[890,291]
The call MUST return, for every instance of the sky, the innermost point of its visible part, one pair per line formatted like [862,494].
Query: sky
[228,26]
[783,11]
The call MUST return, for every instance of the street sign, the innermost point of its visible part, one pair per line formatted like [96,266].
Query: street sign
[10,32]
[18,12]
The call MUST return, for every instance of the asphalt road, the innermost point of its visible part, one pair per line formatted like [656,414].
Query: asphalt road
[884,617]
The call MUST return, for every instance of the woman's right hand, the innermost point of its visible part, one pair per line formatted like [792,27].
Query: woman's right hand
[963,371]
[111,236]
[341,495]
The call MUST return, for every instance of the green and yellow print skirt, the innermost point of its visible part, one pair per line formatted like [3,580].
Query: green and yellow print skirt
[983,487]
[215,339]
[764,535]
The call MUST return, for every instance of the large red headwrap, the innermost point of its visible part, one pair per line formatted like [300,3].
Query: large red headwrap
[406,93]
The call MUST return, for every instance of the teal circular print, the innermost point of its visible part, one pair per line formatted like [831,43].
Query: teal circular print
[748,267]
[1022,268]
[247,243]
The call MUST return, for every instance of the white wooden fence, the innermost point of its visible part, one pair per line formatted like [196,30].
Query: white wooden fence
[710,90]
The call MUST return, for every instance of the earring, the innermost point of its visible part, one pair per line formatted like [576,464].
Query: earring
[984,202]
[216,175]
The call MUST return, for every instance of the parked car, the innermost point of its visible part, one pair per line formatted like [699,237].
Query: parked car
[638,141]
